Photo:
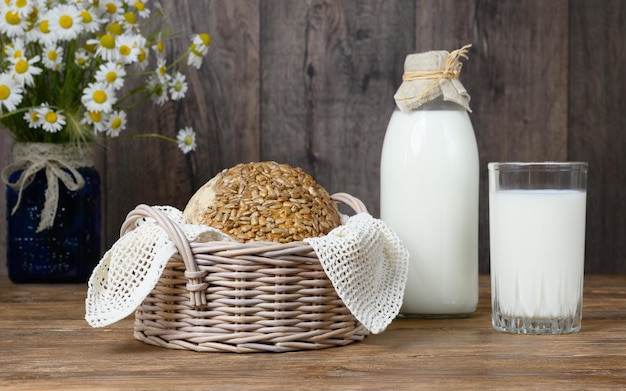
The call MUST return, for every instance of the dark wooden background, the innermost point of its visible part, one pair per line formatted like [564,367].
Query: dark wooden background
[311,83]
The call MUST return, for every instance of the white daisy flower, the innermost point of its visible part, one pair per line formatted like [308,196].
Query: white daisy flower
[159,46]
[158,90]
[129,21]
[142,57]
[140,7]
[53,57]
[51,121]
[195,58]
[65,22]
[91,20]
[105,47]
[95,119]
[200,43]
[115,28]
[111,74]
[15,49]
[10,92]
[33,119]
[98,97]
[41,32]
[199,48]
[115,123]
[112,8]
[186,140]
[82,58]
[11,23]
[127,49]
[178,86]
[23,7]
[23,70]
[161,70]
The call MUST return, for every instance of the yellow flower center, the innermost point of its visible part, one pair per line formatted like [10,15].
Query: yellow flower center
[34,117]
[141,57]
[160,46]
[34,14]
[91,48]
[17,54]
[52,55]
[107,41]
[21,66]
[140,6]
[115,28]
[194,51]
[51,117]
[81,61]
[116,123]
[43,27]
[12,18]
[5,91]
[86,16]
[130,18]
[125,50]
[66,21]
[188,140]
[111,8]
[206,39]
[21,3]
[99,96]
[111,77]
[96,116]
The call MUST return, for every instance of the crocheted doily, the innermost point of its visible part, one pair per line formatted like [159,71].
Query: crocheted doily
[129,271]
[365,261]
[367,265]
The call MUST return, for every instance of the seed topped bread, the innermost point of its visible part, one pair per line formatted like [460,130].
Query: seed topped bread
[264,201]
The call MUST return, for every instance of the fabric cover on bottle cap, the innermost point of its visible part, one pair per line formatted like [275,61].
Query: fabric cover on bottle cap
[430,75]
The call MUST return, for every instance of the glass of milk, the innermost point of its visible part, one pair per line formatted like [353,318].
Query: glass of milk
[537,246]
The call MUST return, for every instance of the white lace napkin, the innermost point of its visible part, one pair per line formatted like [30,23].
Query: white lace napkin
[365,261]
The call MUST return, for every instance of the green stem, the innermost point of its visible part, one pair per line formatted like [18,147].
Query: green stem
[146,135]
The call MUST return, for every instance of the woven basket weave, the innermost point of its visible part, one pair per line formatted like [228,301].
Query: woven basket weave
[243,297]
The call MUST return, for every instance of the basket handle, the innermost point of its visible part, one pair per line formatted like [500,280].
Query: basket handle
[356,204]
[195,277]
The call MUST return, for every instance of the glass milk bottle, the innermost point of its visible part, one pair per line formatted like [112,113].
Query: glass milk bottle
[429,186]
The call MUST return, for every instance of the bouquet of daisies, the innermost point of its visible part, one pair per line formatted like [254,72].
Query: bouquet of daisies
[64,65]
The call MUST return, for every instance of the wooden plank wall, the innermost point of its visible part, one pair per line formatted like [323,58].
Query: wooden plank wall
[310,83]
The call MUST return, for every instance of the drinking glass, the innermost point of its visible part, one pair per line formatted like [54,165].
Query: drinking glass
[537,245]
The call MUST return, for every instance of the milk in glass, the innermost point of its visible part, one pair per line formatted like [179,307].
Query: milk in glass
[537,252]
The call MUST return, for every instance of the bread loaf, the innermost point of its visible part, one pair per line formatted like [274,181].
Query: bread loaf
[264,201]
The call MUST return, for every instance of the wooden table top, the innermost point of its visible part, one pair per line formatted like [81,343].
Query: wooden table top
[46,344]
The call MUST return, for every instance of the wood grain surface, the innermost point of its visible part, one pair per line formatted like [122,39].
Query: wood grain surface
[311,84]
[46,345]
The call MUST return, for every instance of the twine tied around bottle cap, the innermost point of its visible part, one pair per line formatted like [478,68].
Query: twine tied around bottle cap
[451,69]
[430,75]
[59,162]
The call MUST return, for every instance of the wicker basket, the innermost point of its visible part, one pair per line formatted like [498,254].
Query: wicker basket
[243,297]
